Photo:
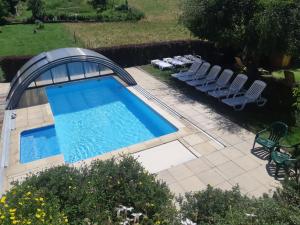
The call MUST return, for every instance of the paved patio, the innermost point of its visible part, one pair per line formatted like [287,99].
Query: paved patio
[221,165]
[221,149]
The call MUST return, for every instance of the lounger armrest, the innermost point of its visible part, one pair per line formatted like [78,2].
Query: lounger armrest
[260,132]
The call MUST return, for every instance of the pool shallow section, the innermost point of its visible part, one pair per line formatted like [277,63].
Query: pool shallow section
[93,117]
[38,143]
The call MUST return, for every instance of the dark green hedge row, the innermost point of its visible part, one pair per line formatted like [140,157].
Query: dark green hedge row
[110,15]
[131,55]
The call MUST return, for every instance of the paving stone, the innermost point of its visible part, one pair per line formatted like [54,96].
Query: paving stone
[193,139]
[231,139]
[192,183]
[198,165]
[260,174]
[230,169]
[231,153]
[211,177]
[205,148]
[244,146]
[180,172]
[259,192]
[177,189]
[166,176]
[225,186]
[216,144]
[217,158]
[246,182]
[246,162]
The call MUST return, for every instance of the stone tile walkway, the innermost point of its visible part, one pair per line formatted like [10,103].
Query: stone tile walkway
[219,165]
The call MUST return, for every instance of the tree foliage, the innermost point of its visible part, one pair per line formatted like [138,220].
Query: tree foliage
[216,207]
[251,27]
[12,4]
[37,8]
[93,193]
[3,10]
[99,4]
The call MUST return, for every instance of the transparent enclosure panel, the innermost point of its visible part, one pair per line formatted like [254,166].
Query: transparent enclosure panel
[44,79]
[76,70]
[91,69]
[105,71]
[60,74]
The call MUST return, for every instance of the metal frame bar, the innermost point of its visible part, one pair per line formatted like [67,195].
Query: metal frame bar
[17,90]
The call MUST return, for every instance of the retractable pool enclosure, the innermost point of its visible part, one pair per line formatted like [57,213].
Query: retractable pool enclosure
[58,66]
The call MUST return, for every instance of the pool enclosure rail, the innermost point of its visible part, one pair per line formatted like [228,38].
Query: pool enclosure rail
[39,65]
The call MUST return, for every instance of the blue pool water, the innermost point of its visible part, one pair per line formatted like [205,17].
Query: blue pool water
[38,143]
[97,116]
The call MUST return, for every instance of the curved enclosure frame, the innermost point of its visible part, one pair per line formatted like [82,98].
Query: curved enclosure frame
[43,65]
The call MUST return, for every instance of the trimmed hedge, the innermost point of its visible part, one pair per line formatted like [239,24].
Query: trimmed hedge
[132,55]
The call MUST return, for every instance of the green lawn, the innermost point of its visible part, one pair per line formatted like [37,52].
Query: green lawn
[160,24]
[252,118]
[280,75]
[21,40]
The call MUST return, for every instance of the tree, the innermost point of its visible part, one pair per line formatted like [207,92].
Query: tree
[3,10]
[99,4]
[12,6]
[254,29]
[37,8]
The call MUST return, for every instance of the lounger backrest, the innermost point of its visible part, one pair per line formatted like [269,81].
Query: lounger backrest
[256,89]
[238,83]
[213,73]
[224,77]
[195,66]
[202,70]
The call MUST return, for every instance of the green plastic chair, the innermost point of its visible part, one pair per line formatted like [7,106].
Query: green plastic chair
[285,160]
[276,131]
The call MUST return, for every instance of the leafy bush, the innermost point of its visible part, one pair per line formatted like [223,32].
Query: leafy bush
[252,29]
[92,193]
[113,15]
[214,206]
[27,205]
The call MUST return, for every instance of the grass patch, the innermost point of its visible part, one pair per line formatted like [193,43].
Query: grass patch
[121,33]
[279,74]
[160,24]
[252,117]
[2,79]
[21,40]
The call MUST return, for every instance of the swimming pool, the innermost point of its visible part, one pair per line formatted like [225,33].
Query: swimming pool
[93,117]
[38,143]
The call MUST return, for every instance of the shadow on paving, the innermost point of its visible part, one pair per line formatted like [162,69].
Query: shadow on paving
[252,118]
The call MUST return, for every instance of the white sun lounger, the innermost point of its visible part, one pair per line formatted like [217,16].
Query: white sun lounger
[253,94]
[192,57]
[161,64]
[211,77]
[234,88]
[183,59]
[174,62]
[220,83]
[190,72]
[201,73]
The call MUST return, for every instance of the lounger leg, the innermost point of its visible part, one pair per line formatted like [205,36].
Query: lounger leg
[254,144]
[276,171]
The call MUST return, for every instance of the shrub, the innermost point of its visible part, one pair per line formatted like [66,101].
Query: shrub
[92,193]
[209,206]
[37,8]
[213,206]
[131,55]
[254,29]
[27,205]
